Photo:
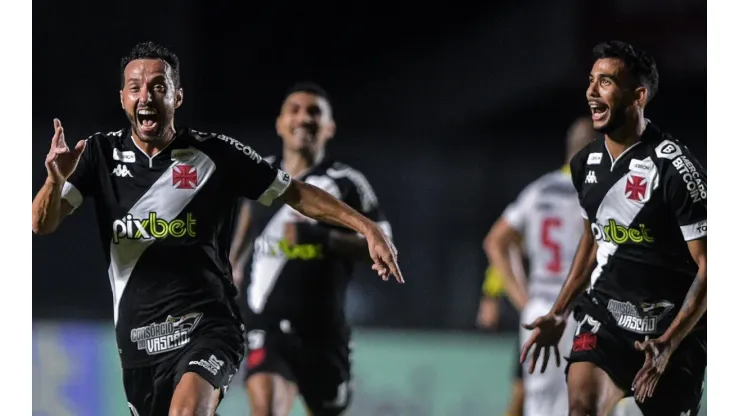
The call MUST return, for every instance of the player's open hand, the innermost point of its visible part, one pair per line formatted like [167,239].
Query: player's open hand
[546,333]
[61,160]
[657,352]
[384,254]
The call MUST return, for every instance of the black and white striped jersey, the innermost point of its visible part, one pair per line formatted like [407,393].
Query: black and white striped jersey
[642,207]
[301,288]
[165,223]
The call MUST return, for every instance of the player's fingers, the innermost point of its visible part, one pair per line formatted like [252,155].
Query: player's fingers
[533,325]
[525,349]
[396,271]
[557,356]
[80,147]
[652,384]
[545,359]
[535,357]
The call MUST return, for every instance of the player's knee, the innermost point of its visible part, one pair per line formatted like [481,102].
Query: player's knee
[260,409]
[579,405]
[188,409]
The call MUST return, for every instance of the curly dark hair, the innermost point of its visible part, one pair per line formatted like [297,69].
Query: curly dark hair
[639,63]
[151,50]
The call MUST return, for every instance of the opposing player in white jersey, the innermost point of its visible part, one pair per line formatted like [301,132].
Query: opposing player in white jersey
[547,217]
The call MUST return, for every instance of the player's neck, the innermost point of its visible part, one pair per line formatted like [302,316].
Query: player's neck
[297,162]
[152,147]
[622,138]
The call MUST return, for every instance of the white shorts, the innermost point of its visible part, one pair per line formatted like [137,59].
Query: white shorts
[545,394]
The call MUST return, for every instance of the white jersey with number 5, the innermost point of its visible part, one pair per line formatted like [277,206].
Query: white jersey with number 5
[547,214]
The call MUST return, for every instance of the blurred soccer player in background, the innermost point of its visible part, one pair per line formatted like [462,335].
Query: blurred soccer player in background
[545,219]
[296,271]
[492,303]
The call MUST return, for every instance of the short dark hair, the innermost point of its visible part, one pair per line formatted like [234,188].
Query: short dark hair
[309,87]
[639,63]
[151,50]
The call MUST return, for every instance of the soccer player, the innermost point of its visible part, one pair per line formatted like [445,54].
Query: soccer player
[165,196]
[298,339]
[642,314]
[545,219]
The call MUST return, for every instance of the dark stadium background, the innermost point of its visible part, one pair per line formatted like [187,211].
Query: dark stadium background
[448,108]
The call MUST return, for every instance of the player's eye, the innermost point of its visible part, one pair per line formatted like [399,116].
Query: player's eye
[133,88]
[159,88]
[605,82]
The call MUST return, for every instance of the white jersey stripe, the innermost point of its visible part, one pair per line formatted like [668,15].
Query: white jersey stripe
[168,202]
[623,211]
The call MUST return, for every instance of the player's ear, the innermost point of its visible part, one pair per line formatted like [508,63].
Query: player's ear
[642,96]
[178,97]
[331,129]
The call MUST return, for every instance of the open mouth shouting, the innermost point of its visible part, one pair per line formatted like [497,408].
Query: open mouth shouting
[599,111]
[147,118]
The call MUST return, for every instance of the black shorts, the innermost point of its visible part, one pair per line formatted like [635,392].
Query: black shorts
[320,369]
[680,388]
[215,355]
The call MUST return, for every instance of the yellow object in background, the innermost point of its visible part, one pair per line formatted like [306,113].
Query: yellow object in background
[493,285]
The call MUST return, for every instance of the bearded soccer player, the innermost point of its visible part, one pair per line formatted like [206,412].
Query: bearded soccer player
[298,340]
[165,196]
[545,219]
[642,313]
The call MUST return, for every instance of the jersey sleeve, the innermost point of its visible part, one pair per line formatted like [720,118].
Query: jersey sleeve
[81,183]
[253,177]
[516,212]
[360,195]
[685,181]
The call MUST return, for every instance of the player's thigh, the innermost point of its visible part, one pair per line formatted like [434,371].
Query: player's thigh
[600,368]
[269,372]
[194,396]
[148,391]
[270,394]
[591,392]
[324,380]
[204,371]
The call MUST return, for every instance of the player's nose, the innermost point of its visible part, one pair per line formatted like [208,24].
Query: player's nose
[592,91]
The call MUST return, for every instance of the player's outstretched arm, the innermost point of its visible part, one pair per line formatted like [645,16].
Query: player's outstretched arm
[580,272]
[695,303]
[498,246]
[322,206]
[548,329]
[49,208]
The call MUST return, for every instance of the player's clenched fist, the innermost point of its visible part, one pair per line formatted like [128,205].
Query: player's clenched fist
[61,160]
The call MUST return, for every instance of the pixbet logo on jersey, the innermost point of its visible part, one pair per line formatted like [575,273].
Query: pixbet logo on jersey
[281,248]
[619,234]
[152,227]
